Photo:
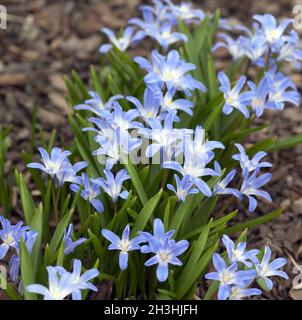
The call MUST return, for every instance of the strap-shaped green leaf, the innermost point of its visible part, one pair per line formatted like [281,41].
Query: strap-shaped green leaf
[146,213]
[27,271]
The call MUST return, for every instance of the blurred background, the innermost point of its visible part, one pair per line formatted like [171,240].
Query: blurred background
[45,40]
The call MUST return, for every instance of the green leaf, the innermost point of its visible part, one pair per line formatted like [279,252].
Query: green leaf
[167,293]
[27,201]
[96,82]
[96,243]
[27,271]
[80,84]
[260,146]
[47,205]
[37,225]
[236,136]
[195,274]
[134,178]
[146,213]
[74,96]
[263,285]
[186,280]
[212,77]
[286,143]
[59,232]
[167,215]
[212,290]
[61,255]
[254,223]
[214,115]
[11,293]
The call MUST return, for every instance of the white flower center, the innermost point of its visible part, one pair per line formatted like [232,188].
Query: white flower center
[164,256]
[257,103]
[57,294]
[272,35]
[166,35]
[124,245]
[226,276]
[9,239]
[170,75]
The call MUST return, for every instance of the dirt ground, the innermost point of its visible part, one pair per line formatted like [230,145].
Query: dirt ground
[47,39]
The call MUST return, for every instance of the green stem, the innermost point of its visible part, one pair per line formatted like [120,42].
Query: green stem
[55,199]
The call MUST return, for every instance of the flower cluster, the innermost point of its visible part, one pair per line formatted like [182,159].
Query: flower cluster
[165,249]
[241,268]
[60,169]
[267,45]
[62,283]
[11,236]
[178,118]
[58,166]
[158,23]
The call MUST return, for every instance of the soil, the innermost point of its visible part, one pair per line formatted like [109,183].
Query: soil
[45,40]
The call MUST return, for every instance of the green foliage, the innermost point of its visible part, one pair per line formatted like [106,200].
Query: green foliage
[194,219]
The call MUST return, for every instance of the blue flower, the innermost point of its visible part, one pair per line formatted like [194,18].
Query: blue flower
[62,283]
[166,253]
[113,185]
[255,49]
[165,36]
[235,47]
[221,187]
[248,165]
[201,147]
[238,293]
[59,286]
[96,105]
[269,29]
[90,192]
[169,105]
[163,137]
[228,276]
[130,36]
[280,92]
[124,244]
[238,253]
[185,12]
[77,281]
[197,154]
[150,108]
[184,187]
[121,120]
[233,98]
[170,71]
[68,172]
[111,148]
[153,16]
[53,163]
[289,49]
[29,237]
[113,134]
[268,268]
[10,235]
[58,166]
[251,187]
[260,101]
[70,245]
[159,235]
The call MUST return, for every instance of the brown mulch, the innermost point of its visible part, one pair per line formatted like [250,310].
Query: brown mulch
[45,40]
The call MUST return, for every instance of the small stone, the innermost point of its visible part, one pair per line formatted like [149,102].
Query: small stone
[285,203]
[297,206]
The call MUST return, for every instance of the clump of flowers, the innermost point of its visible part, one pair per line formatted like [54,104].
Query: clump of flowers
[160,143]
[243,268]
